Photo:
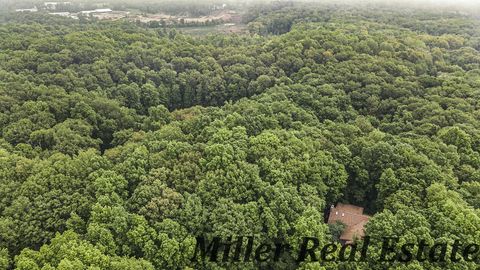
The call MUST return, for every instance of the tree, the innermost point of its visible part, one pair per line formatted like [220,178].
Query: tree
[69,251]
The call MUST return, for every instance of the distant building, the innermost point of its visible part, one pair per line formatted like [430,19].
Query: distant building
[352,216]
[98,10]
[27,9]
[63,14]
[218,7]
[53,5]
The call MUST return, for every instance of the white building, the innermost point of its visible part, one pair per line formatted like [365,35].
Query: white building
[98,10]
[53,5]
[35,9]
[63,14]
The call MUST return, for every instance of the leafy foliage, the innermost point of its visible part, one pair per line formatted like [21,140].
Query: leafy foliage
[120,144]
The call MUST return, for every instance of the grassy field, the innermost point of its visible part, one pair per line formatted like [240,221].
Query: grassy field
[206,30]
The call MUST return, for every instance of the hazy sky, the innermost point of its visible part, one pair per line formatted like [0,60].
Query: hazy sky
[433,2]
[471,5]
[475,4]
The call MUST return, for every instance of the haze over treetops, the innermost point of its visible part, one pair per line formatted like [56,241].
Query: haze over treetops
[121,141]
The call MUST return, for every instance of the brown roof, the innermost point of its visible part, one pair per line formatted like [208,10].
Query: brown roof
[349,208]
[354,232]
[353,217]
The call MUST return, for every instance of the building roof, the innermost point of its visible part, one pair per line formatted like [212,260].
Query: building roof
[354,232]
[352,216]
[56,3]
[98,10]
[27,9]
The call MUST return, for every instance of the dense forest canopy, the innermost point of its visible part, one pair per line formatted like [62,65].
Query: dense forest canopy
[120,144]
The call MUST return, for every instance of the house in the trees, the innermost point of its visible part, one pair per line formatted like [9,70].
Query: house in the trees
[354,219]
